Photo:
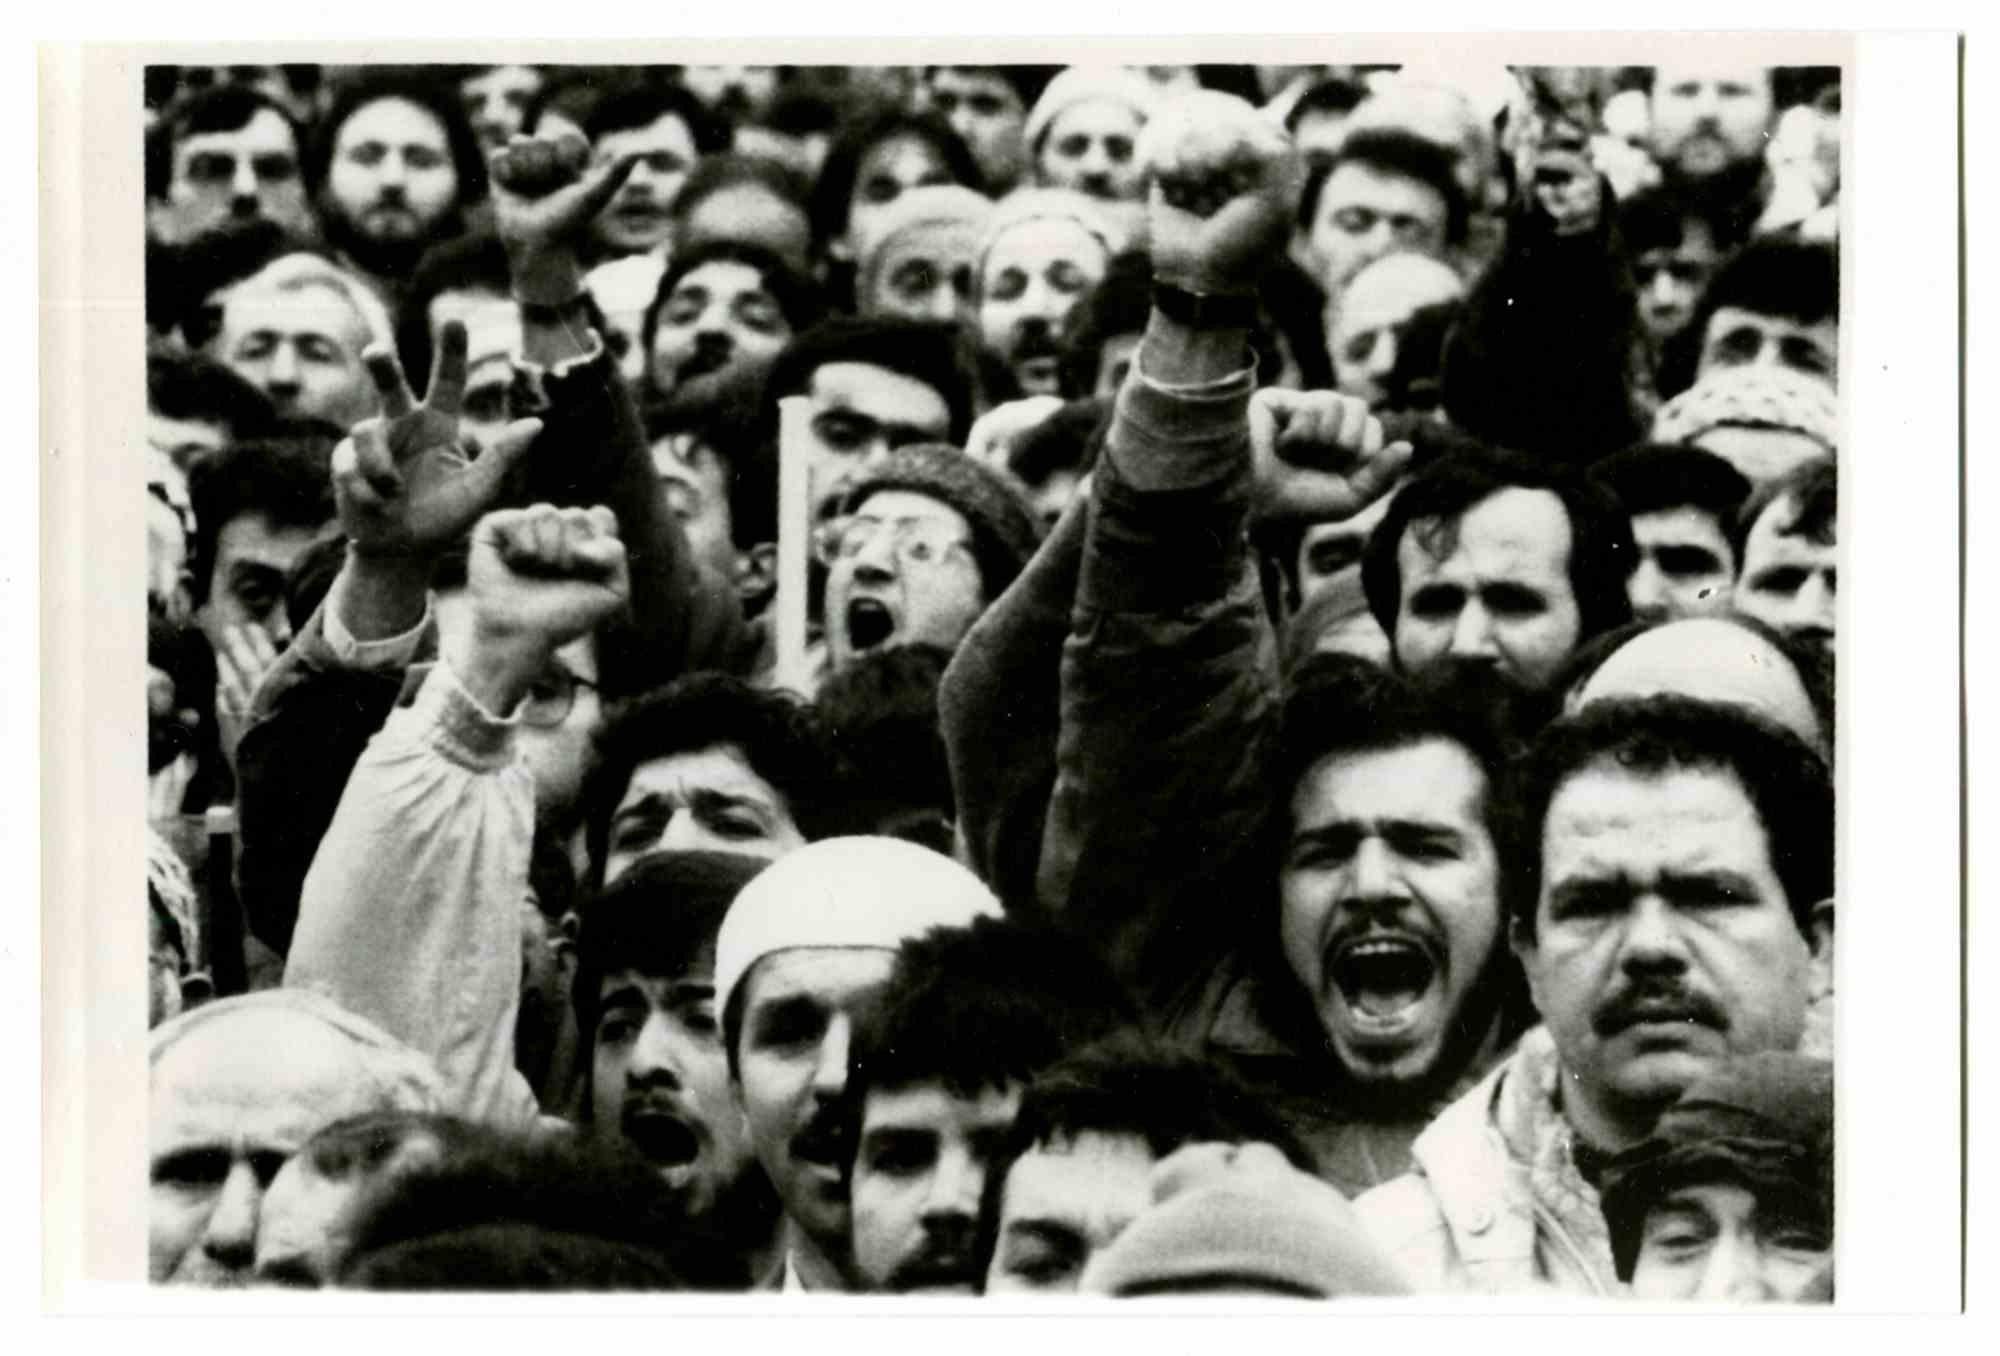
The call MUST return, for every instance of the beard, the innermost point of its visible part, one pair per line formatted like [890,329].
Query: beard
[393,258]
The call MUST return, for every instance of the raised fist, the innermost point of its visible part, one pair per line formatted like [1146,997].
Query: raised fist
[1223,182]
[402,481]
[545,195]
[540,577]
[1319,456]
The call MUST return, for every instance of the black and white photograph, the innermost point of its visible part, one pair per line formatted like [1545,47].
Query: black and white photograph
[1073,679]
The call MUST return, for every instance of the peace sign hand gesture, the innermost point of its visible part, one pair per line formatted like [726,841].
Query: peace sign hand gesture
[402,482]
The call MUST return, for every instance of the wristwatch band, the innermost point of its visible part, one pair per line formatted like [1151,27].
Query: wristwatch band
[1204,310]
[536,313]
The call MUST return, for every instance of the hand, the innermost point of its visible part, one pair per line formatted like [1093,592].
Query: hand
[1223,181]
[241,661]
[1318,455]
[401,482]
[540,577]
[996,433]
[545,195]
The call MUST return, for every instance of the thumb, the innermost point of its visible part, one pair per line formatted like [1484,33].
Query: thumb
[481,480]
[600,184]
[1375,476]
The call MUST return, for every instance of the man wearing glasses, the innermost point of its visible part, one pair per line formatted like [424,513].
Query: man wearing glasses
[922,544]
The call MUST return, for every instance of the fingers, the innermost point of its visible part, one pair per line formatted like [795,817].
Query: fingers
[549,542]
[603,183]
[447,391]
[390,388]
[483,478]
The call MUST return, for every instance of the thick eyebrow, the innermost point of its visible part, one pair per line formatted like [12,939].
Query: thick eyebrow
[1734,883]
[1355,825]
[1057,1232]
[625,995]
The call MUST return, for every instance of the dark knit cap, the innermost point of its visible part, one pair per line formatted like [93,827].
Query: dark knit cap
[1005,527]
[1763,1122]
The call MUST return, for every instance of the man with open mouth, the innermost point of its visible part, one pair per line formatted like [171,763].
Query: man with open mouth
[1669,871]
[645,1002]
[923,544]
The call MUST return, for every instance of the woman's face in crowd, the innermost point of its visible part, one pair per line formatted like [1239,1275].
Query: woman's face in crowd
[718,319]
[639,215]
[1093,147]
[887,169]
[1034,276]
[392,176]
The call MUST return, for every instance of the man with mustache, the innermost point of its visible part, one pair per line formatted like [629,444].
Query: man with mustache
[1669,873]
[645,1004]
[969,1016]
[802,957]
[393,168]
[1044,252]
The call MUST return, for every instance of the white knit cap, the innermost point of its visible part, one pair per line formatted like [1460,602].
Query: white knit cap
[1052,204]
[873,893]
[1080,84]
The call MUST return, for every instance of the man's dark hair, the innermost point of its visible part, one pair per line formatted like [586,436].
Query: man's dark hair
[1332,95]
[198,389]
[1391,151]
[473,263]
[920,350]
[657,918]
[1649,737]
[1131,1084]
[834,190]
[426,92]
[881,714]
[1657,218]
[978,1008]
[1810,493]
[629,109]
[1655,477]
[1774,275]
[723,170]
[1120,304]
[225,108]
[183,281]
[797,297]
[507,1210]
[778,735]
[1601,552]
[285,476]
[1028,81]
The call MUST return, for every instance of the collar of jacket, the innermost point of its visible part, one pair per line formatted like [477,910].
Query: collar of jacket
[1500,1166]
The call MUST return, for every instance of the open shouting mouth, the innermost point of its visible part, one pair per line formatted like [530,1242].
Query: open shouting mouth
[664,1139]
[1385,984]
[869,624]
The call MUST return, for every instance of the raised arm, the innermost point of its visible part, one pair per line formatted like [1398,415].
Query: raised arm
[1169,676]
[410,913]
[545,195]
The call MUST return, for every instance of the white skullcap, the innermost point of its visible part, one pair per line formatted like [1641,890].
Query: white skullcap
[1082,84]
[1711,659]
[400,1078]
[1024,205]
[873,893]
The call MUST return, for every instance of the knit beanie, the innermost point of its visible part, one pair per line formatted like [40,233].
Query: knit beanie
[1752,397]
[859,893]
[1052,204]
[940,207]
[1005,528]
[1081,84]
[1763,1122]
[1240,1219]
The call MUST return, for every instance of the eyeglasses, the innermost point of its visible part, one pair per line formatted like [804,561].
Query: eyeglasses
[551,698]
[916,540]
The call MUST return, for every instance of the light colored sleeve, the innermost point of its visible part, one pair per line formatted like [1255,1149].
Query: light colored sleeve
[374,656]
[410,915]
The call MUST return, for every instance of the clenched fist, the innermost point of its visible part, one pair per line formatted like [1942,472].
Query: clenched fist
[1223,183]
[1319,455]
[540,577]
[545,195]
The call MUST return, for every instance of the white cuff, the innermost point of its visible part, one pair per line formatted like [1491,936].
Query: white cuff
[390,652]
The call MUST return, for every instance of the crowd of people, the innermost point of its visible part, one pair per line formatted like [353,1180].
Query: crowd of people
[1132,680]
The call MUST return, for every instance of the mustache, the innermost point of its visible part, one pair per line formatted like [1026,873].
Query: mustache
[932,1267]
[1380,918]
[1034,339]
[1654,1002]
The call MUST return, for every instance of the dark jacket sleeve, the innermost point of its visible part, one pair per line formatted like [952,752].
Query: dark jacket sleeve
[1000,709]
[1169,694]
[311,720]
[1541,359]
[592,450]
